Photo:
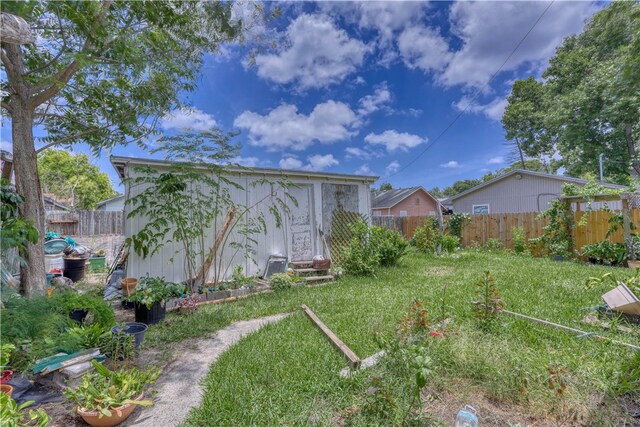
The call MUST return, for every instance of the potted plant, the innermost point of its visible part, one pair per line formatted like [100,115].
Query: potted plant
[5,356]
[559,250]
[11,414]
[150,298]
[128,285]
[106,398]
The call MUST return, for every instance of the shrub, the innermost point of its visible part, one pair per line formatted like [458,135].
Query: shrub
[427,237]
[450,243]
[457,221]
[280,281]
[389,244]
[371,247]
[519,238]
[493,244]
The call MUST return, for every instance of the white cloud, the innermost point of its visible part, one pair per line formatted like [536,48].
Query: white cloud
[316,54]
[360,81]
[424,48]
[490,30]
[290,163]
[319,162]
[188,119]
[250,162]
[315,163]
[372,103]
[284,128]
[451,164]
[392,167]
[6,145]
[364,170]
[360,153]
[493,110]
[498,160]
[394,140]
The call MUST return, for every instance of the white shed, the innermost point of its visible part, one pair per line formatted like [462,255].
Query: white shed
[318,194]
[112,204]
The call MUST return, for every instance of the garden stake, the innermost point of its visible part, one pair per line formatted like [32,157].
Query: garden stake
[568,329]
[354,360]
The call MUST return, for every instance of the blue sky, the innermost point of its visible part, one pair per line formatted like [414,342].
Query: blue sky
[365,87]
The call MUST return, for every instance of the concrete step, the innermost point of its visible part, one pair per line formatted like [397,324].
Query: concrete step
[295,264]
[309,270]
[318,278]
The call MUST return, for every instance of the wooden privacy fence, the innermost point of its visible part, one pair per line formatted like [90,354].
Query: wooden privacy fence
[590,230]
[86,223]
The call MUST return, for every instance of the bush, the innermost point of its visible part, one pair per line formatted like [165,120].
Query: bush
[450,243]
[427,237]
[457,221]
[519,238]
[371,247]
[493,244]
[280,281]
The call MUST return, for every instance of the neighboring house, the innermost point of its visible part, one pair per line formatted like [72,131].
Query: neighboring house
[414,201]
[516,191]
[53,205]
[113,204]
[318,195]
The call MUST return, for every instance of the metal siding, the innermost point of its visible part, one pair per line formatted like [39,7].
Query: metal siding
[274,242]
[512,195]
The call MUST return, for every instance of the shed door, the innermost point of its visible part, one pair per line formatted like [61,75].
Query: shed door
[302,227]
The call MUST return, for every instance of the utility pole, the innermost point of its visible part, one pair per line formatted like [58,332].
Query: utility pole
[600,157]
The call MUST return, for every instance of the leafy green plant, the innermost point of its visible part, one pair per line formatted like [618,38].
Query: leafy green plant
[389,244]
[457,222]
[427,237]
[493,244]
[632,282]
[488,304]
[104,390]
[5,354]
[557,235]
[450,243]
[11,413]
[279,281]
[370,248]
[519,238]
[151,290]
[606,252]
[239,279]
[101,312]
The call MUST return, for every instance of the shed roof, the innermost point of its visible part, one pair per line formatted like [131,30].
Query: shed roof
[532,173]
[390,198]
[119,163]
[111,199]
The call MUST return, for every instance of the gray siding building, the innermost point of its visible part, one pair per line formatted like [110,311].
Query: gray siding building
[516,191]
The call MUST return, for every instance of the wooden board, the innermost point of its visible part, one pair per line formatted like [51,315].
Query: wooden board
[354,360]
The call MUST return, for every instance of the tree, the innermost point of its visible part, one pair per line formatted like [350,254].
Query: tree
[589,102]
[385,186]
[71,177]
[460,186]
[101,73]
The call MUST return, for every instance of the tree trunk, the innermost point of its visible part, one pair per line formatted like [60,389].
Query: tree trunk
[521,155]
[32,274]
[631,148]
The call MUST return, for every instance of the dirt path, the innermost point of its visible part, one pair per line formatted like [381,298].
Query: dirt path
[179,387]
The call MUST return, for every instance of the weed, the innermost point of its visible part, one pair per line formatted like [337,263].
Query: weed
[489,304]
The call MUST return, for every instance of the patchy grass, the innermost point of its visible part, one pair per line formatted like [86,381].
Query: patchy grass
[287,373]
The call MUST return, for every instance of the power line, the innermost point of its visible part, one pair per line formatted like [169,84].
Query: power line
[470,102]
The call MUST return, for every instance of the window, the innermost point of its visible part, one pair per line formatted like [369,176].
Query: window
[377,213]
[480,209]
[403,213]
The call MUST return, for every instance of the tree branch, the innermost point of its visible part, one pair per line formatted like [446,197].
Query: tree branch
[6,106]
[65,75]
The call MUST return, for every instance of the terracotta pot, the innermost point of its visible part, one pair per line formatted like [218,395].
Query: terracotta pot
[128,286]
[6,389]
[118,415]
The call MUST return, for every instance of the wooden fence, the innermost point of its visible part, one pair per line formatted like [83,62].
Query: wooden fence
[590,230]
[86,223]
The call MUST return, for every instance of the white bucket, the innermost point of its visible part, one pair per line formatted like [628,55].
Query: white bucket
[52,262]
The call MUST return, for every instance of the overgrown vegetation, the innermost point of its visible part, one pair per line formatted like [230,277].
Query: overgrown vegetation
[372,247]
[427,237]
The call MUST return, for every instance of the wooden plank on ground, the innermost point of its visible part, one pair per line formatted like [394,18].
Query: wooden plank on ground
[354,360]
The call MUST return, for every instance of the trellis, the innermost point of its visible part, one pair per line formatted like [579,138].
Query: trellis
[341,234]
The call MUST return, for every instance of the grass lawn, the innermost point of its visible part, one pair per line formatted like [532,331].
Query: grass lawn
[287,373]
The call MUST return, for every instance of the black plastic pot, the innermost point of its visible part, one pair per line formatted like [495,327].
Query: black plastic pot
[128,304]
[74,268]
[135,329]
[151,315]
[78,315]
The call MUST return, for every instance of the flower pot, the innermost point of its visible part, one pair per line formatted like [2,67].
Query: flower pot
[6,376]
[6,389]
[96,263]
[78,315]
[633,264]
[558,258]
[152,315]
[128,286]
[118,415]
[132,328]
[74,268]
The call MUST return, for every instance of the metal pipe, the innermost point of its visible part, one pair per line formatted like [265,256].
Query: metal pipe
[600,157]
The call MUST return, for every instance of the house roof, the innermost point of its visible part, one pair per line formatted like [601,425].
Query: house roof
[54,202]
[390,198]
[532,173]
[119,163]
[111,199]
